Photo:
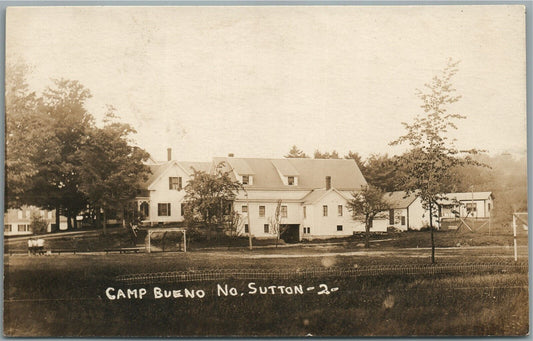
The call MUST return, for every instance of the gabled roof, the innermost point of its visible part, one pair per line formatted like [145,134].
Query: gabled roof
[285,167]
[190,166]
[240,166]
[317,194]
[469,196]
[399,199]
[159,169]
[345,175]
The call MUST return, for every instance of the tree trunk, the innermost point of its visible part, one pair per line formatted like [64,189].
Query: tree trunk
[56,228]
[104,222]
[432,236]
[98,221]
[69,221]
[367,233]
[76,223]
[367,236]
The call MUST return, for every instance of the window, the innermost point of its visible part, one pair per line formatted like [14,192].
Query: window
[305,212]
[284,211]
[7,228]
[307,230]
[50,215]
[174,182]
[228,208]
[391,217]
[245,179]
[261,211]
[325,210]
[163,210]
[244,209]
[290,180]
[266,228]
[471,207]
[403,220]
[145,209]
[41,213]
[182,209]
[339,210]
[23,227]
[339,227]
[246,230]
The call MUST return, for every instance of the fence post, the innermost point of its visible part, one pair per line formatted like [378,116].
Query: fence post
[149,235]
[514,238]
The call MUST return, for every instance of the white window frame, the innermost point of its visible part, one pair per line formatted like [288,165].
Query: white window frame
[168,209]
[284,211]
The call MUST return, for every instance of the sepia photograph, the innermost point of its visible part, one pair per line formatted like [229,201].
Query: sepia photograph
[265,171]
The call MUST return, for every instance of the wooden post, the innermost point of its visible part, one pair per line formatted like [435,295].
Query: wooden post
[249,225]
[149,236]
[514,237]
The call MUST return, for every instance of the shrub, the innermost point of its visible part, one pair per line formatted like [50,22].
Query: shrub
[38,224]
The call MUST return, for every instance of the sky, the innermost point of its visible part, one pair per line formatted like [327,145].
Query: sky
[253,81]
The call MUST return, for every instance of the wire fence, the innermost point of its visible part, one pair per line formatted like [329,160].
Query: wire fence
[310,273]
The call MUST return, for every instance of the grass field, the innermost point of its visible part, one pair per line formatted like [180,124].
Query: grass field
[66,295]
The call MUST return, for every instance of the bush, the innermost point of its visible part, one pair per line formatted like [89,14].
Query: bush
[38,224]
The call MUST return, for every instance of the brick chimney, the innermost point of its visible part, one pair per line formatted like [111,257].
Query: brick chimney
[328,183]
[231,155]
[169,154]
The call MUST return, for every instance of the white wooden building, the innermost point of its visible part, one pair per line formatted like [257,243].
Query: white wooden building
[406,212]
[161,200]
[17,222]
[467,204]
[313,194]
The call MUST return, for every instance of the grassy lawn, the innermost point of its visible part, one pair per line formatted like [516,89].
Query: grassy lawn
[66,295]
[119,237]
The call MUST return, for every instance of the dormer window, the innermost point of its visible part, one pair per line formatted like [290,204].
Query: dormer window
[290,180]
[245,179]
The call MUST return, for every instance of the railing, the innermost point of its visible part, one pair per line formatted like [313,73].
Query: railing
[287,274]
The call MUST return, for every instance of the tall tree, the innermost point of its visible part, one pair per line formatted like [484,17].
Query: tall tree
[326,155]
[25,131]
[56,183]
[358,160]
[365,205]
[113,170]
[433,155]
[382,171]
[209,197]
[296,153]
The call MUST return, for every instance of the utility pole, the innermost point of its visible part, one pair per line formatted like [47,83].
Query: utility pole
[514,237]
[248,216]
